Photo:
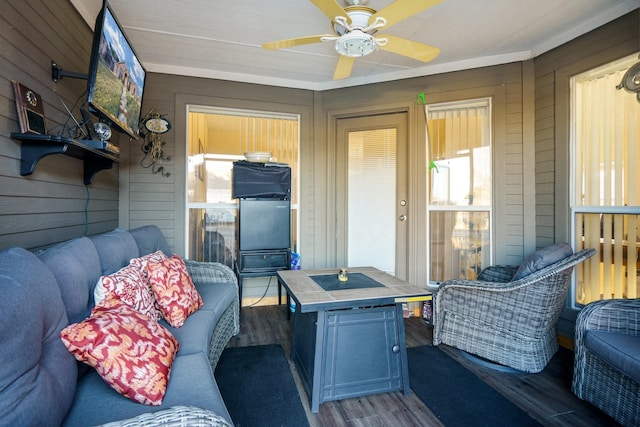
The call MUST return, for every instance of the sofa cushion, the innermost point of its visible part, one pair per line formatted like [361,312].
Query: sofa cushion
[130,351]
[542,258]
[217,296]
[619,350]
[191,383]
[76,267]
[37,373]
[150,239]
[115,248]
[130,286]
[196,334]
[173,289]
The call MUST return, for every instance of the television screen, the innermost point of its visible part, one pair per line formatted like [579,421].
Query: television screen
[116,76]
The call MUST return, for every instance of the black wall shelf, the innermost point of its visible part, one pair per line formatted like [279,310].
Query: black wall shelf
[35,147]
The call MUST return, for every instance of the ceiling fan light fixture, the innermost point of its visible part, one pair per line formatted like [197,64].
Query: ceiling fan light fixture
[355,44]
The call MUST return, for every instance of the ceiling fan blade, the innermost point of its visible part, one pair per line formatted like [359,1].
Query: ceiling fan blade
[282,44]
[344,67]
[400,10]
[420,51]
[331,8]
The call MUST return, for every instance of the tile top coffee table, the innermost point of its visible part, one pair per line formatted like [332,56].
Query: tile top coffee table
[348,337]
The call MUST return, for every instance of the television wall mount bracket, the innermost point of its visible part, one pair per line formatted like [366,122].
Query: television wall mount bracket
[58,73]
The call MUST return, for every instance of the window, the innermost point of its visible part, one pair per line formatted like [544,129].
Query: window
[606,192]
[216,139]
[460,192]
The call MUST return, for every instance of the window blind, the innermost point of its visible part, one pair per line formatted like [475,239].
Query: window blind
[606,202]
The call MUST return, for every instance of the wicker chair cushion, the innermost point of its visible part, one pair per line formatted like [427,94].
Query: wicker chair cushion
[542,258]
[619,350]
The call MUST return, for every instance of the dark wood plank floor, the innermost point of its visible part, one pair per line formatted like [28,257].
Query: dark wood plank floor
[545,396]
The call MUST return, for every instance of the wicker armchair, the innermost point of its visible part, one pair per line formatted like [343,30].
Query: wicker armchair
[511,323]
[177,416]
[595,380]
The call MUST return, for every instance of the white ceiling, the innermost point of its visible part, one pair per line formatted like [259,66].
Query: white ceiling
[222,38]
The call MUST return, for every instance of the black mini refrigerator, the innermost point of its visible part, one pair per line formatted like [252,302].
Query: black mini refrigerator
[264,218]
[264,224]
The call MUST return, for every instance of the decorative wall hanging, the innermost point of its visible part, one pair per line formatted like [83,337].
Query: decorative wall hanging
[153,126]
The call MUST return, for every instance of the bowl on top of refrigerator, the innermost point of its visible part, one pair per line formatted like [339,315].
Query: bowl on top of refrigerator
[258,156]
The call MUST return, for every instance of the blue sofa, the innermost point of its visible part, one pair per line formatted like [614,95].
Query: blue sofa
[41,293]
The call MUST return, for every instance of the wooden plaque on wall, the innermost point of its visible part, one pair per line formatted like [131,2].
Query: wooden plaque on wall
[30,109]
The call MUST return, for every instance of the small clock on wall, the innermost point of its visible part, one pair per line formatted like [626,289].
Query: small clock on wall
[157,124]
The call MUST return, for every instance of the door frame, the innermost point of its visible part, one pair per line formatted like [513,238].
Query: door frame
[416,186]
[345,126]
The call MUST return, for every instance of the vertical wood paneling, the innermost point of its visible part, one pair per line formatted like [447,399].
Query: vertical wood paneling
[52,204]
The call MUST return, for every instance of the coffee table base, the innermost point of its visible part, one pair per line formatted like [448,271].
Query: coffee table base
[350,352]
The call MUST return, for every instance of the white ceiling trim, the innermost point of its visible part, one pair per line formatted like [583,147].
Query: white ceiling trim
[336,84]
[230,76]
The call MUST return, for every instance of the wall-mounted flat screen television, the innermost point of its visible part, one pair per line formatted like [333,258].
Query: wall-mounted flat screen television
[116,75]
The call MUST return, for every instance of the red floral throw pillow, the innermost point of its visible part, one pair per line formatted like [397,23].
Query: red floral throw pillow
[174,290]
[141,263]
[130,351]
[130,286]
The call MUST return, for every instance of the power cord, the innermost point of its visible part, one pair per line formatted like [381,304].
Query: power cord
[65,129]
[264,294]
[86,211]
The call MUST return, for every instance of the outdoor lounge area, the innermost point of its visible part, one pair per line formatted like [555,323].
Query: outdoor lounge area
[175,180]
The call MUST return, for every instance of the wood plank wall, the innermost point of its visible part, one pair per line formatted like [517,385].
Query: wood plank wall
[48,206]
[148,198]
[504,84]
[552,114]
[155,199]
[552,73]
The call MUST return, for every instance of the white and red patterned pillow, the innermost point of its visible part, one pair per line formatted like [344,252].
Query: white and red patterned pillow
[174,290]
[130,286]
[141,263]
[130,351]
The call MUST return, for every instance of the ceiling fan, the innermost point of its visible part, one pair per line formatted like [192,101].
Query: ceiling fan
[355,28]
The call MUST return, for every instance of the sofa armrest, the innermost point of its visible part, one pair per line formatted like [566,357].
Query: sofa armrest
[177,416]
[210,272]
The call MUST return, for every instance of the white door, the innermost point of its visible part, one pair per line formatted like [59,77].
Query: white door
[372,192]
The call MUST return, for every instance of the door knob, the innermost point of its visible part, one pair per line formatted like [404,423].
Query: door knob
[403,217]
